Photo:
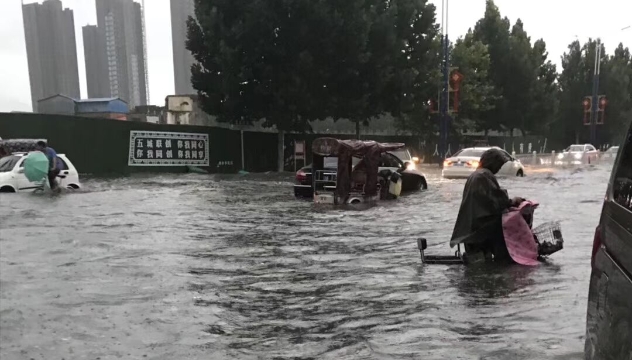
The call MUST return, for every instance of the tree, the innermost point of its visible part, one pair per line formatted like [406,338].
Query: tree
[493,31]
[616,84]
[477,93]
[256,60]
[545,100]
[291,62]
[382,54]
[522,76]
[575,83]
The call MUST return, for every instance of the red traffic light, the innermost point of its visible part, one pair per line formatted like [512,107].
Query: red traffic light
[602,103]
[587,103]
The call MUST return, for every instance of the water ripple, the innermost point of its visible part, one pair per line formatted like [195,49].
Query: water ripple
[215,267]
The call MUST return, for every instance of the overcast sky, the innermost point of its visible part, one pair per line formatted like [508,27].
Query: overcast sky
[558,22]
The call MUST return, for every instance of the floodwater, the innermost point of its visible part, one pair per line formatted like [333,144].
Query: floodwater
[203,267]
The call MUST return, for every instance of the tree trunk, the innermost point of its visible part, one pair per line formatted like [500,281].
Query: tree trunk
[357,130]
[281,151]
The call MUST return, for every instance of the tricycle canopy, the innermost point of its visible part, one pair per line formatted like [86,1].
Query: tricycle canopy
[345,150]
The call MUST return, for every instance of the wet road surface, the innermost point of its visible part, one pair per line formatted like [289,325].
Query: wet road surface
[201,267]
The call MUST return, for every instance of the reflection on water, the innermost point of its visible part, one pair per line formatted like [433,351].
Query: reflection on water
[200,267]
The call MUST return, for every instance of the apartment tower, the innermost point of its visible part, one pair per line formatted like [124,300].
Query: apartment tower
[51,50]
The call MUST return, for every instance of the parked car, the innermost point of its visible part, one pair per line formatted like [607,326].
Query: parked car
[577,154]
[12,177]
[466,161]
[609,315]
[412,179]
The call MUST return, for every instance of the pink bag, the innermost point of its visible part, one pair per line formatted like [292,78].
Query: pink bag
[519,239]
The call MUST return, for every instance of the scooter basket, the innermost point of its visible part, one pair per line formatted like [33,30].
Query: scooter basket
[549,238]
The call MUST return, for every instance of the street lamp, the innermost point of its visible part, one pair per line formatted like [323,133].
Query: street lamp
[595,90]
[444,107]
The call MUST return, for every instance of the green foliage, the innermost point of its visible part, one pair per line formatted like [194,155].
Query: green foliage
[291,62]
[477,92]
[576,82]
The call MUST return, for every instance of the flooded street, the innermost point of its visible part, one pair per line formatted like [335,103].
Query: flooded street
[203,267]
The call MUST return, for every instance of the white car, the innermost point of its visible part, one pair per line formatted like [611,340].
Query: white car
[577,154]
[12,177]
[466,161]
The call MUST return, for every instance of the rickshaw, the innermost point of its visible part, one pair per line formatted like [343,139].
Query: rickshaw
[353,181]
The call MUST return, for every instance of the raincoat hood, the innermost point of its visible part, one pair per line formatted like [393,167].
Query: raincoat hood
[493,160]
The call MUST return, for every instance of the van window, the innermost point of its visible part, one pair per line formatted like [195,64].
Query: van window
[622,186]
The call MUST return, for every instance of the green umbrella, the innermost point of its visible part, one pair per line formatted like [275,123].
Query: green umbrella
[36,166]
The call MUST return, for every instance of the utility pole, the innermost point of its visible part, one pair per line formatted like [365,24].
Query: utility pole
[445,90]
[595,91]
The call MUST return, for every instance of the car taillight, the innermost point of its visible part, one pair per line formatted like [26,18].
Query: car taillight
[301,176]
[596,245]
[473,163]
[447,163]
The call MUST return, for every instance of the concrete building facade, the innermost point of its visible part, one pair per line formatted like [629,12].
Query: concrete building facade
[182,58]
[97,76]
[118,58]
[51,50]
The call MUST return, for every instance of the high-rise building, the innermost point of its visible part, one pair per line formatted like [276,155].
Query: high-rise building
[51,50]
[119,57]
[182,58]
[97,76]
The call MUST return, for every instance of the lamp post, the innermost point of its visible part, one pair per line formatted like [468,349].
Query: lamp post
[445,68]
[595,90]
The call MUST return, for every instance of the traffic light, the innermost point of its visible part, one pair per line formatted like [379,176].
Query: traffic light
[601,110]
[587,104]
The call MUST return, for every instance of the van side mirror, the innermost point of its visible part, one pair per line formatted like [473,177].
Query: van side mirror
[21,170]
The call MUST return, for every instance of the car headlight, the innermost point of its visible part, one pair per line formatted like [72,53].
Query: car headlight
[410,166]
[578,156]
[560,156]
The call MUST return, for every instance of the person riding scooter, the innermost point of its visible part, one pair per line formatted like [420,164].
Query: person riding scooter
[479,223]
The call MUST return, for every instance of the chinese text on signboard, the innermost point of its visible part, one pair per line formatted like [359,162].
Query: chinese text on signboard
[160,148]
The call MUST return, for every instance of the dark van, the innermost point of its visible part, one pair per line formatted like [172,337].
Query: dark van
[609,318]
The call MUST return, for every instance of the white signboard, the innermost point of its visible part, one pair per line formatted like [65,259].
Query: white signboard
[163,148]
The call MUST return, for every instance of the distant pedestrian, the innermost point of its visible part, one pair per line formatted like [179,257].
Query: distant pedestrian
[54,165]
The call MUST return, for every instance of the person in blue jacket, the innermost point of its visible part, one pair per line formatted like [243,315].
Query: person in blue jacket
[54,165]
